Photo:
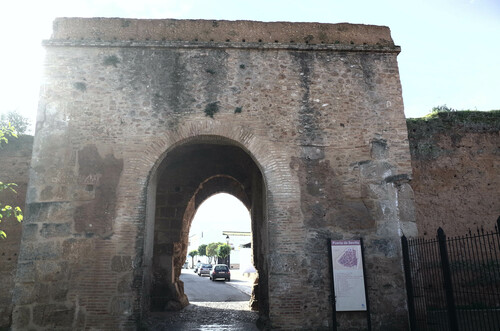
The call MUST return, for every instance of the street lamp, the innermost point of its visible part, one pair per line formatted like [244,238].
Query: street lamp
[229,255]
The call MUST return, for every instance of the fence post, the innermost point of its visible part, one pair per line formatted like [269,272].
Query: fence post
[409,284]
[448,285]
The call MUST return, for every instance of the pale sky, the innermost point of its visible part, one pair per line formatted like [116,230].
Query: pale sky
[220,212]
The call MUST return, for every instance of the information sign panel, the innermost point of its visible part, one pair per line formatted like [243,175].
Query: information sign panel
[348,278]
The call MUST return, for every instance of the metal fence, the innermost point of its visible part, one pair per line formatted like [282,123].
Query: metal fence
[453,283]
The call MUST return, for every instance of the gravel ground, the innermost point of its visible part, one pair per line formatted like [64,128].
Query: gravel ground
[206,316]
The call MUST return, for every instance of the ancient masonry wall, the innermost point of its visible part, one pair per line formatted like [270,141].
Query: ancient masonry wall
[317,106]
[15,158]
[446,176]
[456,171]
[474,157]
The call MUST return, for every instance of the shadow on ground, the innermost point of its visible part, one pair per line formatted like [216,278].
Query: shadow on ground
[200,316]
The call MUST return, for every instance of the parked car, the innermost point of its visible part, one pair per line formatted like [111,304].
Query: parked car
[220,271]
[204,269]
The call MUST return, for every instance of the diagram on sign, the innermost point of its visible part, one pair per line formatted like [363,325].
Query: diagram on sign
[348,259]
[348,275]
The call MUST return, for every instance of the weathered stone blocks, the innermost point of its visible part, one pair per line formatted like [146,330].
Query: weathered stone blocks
[53,315]
[40,251]
[455,165]
[121,263]
[302,122]
[14,168]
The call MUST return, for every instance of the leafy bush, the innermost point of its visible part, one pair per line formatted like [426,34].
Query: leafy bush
[15,120]
[442,109]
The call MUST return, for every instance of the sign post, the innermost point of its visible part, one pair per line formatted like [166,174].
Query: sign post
[349,290]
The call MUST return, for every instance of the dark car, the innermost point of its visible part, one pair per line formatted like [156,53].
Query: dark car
[204,269]
[220,271]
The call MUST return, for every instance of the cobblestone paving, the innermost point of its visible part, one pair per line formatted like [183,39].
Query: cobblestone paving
[230,316]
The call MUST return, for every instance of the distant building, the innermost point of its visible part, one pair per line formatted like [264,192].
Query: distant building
[241,253]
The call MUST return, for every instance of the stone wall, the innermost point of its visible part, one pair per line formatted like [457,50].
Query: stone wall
[316,107]
[15,158]
[456,167]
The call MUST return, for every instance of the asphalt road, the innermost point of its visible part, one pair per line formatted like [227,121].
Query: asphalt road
[202,289]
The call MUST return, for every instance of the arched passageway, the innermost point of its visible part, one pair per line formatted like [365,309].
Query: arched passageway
[129,143]
[189,174]
[222,218]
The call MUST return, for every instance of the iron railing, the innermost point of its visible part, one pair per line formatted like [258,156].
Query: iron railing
[453,283]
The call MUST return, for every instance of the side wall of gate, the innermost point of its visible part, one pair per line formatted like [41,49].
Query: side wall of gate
[319,108]
[15,158]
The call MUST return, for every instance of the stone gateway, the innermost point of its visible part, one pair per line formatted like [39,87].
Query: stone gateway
[140,121]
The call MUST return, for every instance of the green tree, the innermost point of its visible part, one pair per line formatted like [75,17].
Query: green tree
[202,250]
[212,250]
[223,251]
[6,210]
[15,120]
[193,254]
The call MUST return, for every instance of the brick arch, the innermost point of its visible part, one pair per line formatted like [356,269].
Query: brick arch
[220,184]
[129,104]
[269,162]
[270,159]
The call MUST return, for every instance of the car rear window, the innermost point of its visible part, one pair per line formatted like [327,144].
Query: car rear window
[220,268]
[207,266]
